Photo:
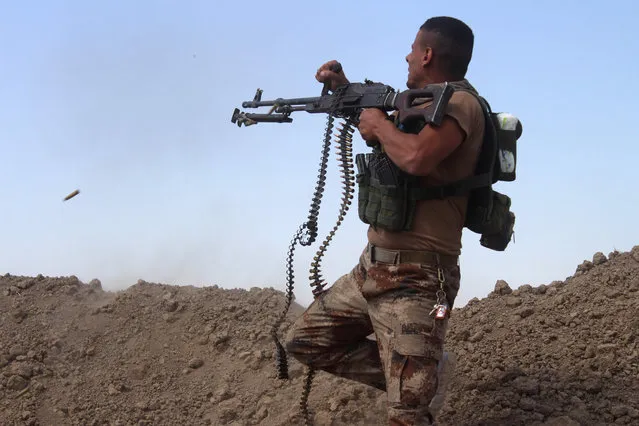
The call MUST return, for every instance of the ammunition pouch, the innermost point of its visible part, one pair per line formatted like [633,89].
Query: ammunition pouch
[384,195]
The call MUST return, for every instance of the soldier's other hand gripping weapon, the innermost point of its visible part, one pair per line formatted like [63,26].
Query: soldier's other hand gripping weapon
[346,103]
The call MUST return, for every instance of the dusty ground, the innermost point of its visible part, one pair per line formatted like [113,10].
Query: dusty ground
[566,353]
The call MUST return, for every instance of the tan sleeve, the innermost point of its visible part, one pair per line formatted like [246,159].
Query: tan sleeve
[466,111]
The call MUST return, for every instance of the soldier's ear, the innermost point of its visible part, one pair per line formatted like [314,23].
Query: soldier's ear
[427,56]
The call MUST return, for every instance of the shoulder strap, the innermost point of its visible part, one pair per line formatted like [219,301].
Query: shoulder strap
[485,173]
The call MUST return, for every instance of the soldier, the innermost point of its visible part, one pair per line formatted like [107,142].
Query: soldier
[403,274]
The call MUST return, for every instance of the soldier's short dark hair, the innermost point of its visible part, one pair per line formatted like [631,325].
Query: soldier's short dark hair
[454,42]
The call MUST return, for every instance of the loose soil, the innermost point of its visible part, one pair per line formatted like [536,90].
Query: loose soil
[563,353]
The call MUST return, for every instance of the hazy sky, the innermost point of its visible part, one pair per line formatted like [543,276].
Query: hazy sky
[130,102]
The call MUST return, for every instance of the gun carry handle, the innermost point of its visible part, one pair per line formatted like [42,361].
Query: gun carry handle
[434,113]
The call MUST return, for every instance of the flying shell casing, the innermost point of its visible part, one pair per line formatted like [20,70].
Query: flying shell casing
[71,195]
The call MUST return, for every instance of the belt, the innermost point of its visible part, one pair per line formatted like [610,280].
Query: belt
[394,257]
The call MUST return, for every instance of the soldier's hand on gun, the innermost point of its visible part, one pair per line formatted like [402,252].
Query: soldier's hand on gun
[369,121]
[326,74]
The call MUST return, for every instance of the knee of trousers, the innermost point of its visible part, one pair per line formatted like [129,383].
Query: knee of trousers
[296,347]
[301,353]
[302,350]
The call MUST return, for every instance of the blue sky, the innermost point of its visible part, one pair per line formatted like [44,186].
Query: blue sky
[130,102]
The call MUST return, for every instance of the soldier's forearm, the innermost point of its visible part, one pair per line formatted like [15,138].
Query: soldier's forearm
[402,148]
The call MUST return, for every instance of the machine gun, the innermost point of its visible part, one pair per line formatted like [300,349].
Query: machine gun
[346,103]
[348,100]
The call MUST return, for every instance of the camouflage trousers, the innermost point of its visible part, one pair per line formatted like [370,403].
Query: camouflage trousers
[393,302]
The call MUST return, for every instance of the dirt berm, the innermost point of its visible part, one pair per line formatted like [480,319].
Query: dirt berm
[565,353]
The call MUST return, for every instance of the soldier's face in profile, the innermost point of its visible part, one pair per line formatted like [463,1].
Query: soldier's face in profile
[417,59]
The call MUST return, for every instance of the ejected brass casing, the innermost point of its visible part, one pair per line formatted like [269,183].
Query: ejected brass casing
[71,195]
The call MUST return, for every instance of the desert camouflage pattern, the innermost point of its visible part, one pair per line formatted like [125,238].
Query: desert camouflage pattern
[394,303]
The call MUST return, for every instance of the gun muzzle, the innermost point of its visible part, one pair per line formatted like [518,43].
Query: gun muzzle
[249,119]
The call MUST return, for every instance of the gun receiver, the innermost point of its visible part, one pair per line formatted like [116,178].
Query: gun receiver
[349,100]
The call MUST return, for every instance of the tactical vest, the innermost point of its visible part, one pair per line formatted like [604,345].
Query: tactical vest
[388,196]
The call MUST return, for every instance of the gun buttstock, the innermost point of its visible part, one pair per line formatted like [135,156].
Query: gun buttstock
[439,95]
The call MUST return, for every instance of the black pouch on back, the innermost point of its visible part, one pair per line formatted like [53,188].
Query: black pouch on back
[498,229]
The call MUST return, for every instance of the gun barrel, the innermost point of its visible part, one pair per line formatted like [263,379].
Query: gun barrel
[268,118]
[281,101]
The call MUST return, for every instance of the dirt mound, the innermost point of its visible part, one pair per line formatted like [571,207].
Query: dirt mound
[70,353]
[568,351]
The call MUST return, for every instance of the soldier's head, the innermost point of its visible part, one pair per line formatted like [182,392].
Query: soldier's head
[442,50]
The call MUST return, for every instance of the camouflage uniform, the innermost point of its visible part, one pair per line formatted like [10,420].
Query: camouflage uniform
[394,301]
